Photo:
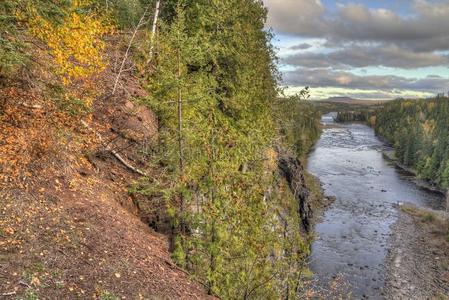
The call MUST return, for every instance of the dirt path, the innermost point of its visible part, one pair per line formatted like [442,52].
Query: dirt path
[418,262]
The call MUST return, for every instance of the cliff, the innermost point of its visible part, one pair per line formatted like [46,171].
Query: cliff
[293,172]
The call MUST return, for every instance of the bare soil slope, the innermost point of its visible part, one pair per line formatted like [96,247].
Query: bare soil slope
[68,228]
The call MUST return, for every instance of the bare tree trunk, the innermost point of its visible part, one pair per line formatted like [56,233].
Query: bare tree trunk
[153,32]
[180,137]
[140,24]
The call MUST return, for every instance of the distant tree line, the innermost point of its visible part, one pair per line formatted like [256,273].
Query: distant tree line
[353,116]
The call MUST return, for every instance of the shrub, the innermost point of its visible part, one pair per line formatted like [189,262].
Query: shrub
[75,44]
[428,218]
[127,13]
[12,55]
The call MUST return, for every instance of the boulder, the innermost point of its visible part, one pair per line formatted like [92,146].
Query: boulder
[136,123]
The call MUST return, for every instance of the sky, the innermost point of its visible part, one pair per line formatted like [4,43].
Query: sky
[379,49]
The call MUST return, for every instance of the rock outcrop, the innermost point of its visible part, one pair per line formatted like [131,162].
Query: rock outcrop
[293,171]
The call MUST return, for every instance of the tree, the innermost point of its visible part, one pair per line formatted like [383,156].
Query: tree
[213,87]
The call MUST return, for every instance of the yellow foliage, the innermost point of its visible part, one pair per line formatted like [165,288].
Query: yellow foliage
[271,160]
[372,121]
[75,44]
[406,104]
[81,3]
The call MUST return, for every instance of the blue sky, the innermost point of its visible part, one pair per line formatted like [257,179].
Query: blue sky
[362,49]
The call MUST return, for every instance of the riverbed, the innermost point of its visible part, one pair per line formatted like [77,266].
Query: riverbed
[353,235]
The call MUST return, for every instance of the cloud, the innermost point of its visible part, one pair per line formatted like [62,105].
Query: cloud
[426,30]
[302,46]
[317,78]
[323,93]
[298,17]
[357,36]
[356,22]
[365,56]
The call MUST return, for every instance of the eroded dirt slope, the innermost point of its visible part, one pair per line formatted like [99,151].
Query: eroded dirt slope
[68,228]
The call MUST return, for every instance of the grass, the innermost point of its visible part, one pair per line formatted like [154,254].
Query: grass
[424,215]
[428,218]
[436,223]
[108,296]
[29,295]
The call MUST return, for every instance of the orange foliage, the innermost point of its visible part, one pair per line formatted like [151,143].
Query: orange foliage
[428,127]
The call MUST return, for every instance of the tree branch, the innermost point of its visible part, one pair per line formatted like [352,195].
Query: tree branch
[114,152]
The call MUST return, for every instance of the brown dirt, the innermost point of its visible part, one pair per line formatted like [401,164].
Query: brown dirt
[418,262]
[68,227]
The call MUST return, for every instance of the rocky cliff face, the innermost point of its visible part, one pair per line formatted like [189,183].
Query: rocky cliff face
[293,171]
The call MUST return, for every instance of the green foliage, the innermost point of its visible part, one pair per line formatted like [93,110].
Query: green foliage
[30,295]
[354,116]
[126,13]
[428,218]
[420,134]
[213,85]
[105,295]
[12,54]
[73,105]
[298,123]
[214,90]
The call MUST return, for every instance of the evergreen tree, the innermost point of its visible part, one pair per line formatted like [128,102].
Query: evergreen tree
[419,132]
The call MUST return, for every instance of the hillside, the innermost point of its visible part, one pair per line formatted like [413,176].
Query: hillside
[148,162]
[69,228]
[349,100]
[347,104]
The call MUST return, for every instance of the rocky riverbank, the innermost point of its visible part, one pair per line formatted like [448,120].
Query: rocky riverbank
[418,259]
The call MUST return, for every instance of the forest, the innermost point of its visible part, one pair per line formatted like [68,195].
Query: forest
[353,116]
[208,70]
[419,132]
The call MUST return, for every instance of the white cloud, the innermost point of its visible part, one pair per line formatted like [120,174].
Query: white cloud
[301,17]
[428,28]
[365,56]
[356,36]
[319,78]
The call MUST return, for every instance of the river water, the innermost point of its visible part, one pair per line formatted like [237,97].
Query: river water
[352,237]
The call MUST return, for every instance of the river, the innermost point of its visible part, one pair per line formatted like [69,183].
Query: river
[353,235]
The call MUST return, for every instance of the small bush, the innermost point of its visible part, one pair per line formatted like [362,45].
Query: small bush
[29,295]
[127,13]
[12,55]
[428,218]
[108,296]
